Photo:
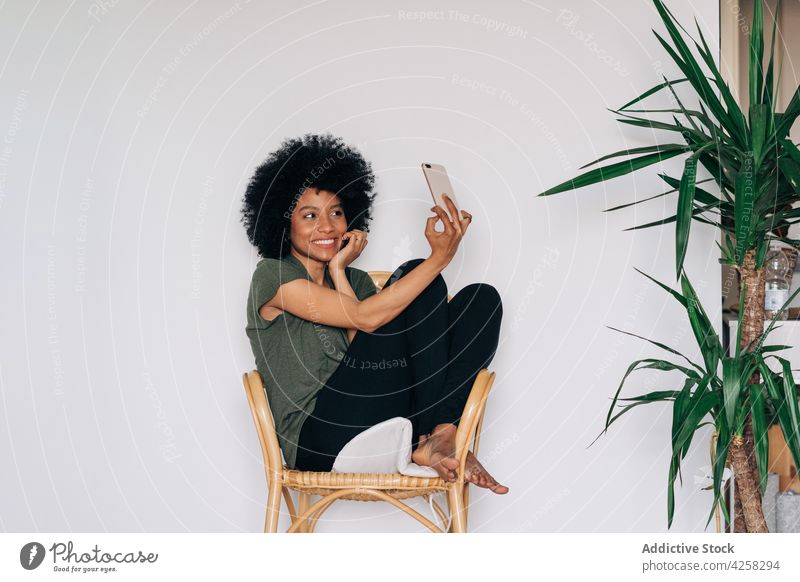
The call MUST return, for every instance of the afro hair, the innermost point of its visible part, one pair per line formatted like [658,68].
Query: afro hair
[322,162]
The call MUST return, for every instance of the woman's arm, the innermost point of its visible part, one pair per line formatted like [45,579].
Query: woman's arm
[316,303]
[343,286]
[307,300]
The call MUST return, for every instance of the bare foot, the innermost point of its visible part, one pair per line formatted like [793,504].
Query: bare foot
[477,475]
[438,451]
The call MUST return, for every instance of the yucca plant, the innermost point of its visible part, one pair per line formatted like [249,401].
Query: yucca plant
[725,397]
[754,172]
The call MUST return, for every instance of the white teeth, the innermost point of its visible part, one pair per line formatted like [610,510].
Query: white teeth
[326,241]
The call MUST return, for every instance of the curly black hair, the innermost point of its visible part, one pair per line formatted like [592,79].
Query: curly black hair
[321,162]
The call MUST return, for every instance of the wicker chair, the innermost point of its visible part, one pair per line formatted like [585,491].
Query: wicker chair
[389,487]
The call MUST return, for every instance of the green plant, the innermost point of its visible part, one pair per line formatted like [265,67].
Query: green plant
[753,162]
[726,398]
[755,170]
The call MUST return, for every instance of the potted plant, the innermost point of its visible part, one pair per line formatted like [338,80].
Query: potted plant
[754,174]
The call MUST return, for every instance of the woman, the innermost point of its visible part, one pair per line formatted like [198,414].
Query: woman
[336,356]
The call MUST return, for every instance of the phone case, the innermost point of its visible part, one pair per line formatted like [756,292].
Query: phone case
[439,183]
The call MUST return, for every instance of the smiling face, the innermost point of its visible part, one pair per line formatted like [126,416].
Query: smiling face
[318,218]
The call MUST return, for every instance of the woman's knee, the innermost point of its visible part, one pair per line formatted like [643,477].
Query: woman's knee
[481,296]
[483,292]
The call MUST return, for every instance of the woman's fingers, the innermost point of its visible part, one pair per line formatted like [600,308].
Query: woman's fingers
[430,224]
[449,225]
[357,241]
[467,220]
[442,215]
[454,218]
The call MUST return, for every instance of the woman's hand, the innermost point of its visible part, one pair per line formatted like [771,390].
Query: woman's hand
[349,253]
[445,244]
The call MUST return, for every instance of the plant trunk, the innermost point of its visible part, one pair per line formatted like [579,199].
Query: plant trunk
[748,512]
[748,488]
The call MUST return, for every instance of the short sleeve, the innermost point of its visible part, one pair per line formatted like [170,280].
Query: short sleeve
[363,286]
[269,275]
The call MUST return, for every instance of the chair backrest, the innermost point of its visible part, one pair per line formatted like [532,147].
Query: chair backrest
[265,425]
[380,278]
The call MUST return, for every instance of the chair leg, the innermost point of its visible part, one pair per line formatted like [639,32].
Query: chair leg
[455,497]
[465,497]
[304,502]
[273,507]
[450,513]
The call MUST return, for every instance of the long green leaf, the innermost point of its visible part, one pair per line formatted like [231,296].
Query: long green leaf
[656,396]
[636,151]
[740,312]
[612,171]
[704,332]
[688,411]
[687,115]
[783,395]
[759,118]
[722,446]
[731,387]
[684,213]
[790,148]
[635,202]
[785,121]
[678,408]
[791,171]
[739,130]
[703,196]
[791,424]
[696,214]
[653,124]
[663,347]
[681,299]
[689,66]
[774,348]
[759,416]
[662,365]
[655,89]
[756,53]
[743,207]
[699,405]
[767,94]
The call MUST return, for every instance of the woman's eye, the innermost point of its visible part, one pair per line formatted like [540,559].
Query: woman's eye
[336,212]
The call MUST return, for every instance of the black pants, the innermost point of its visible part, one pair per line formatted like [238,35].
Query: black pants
[421,366]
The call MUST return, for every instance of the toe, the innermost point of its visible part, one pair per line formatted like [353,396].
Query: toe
[497,488]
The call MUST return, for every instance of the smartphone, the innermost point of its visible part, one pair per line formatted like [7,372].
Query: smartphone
[439,183]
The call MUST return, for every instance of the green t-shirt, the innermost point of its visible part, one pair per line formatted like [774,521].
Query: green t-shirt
[294,356]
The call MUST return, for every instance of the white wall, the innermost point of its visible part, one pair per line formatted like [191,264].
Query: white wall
[129,134]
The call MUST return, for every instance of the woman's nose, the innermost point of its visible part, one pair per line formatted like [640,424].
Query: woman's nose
[325,224]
